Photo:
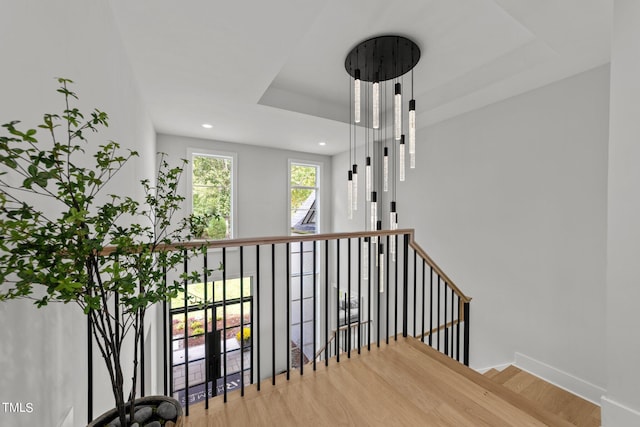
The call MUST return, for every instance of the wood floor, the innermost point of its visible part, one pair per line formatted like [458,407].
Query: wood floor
[403,384]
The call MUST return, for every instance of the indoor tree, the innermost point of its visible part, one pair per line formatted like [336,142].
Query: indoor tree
[63,238]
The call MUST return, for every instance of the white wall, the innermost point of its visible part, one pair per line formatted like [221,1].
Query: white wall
[621,405]
[262,182]
[42,352]
[511,201]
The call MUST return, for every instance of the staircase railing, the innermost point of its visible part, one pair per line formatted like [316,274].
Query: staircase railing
[365,288]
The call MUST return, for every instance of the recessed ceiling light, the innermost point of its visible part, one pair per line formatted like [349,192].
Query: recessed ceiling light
[207,126]
[322,143]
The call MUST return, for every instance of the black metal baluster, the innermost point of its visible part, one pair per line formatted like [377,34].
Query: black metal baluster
[415,291]
[255,337]
[359,294]
[288,303]
[377,255]
[347,310]
[169,345]
[206,332]
[301,309]
[458,331]
[337,300]
[186,333]
[446,329]
[258,335]
[452,328]
[224,319]
[369,279]
[165,333]
[430,306]
[89,369]
[326,302]
[405,287]
[466,333]
[315,291]
[252,340]
[396,308]
[424,299]
[242,321]
[116,311]
[386,272]
[141,349]
[438,317]
[273,314]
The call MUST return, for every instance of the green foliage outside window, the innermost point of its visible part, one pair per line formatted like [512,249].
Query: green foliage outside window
[301,176]
[211,186]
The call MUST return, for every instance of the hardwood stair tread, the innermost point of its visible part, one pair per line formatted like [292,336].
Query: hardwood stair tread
[566,405]
[403,383]
[491,373]
[522,402]
[506,374]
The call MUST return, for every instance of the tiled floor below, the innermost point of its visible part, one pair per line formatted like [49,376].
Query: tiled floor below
[196,368]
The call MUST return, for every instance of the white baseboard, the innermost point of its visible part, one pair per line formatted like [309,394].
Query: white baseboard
[564,380]
[615,414]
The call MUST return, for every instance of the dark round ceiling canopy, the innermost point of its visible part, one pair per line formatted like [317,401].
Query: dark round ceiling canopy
[382,58]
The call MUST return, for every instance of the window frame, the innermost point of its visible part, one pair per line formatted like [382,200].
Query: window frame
[317,188]
[191,152]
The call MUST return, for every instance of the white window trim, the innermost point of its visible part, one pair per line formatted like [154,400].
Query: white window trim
[319,166]
[234,182]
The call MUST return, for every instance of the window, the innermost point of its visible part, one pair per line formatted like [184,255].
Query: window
[304,205]
[304,198]
[213,192]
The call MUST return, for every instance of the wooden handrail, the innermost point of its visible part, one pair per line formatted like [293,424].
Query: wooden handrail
[254,241]
[354,325]
[416,247]
[439,328]
[323,348]
[333,336]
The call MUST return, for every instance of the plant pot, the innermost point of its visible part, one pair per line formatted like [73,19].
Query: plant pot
[153,402]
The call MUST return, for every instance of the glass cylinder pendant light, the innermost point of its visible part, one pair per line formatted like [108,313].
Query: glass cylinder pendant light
[397,112]
[350,195]
[374,216]
[376,105]
[354,178]
[393,217]
[412,134]
[393,225]
[367,176]
[378,228]
[401,155]
[374,209]
[385,170]
[365,258]
[356,97]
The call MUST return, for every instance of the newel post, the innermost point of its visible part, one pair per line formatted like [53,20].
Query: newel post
[466,333]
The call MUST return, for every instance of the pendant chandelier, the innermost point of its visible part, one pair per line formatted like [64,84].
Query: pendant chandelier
[378,67]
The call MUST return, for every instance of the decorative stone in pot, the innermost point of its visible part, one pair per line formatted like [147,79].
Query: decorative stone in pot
[151,411]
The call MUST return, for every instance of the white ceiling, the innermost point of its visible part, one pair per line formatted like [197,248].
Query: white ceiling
[272,72]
